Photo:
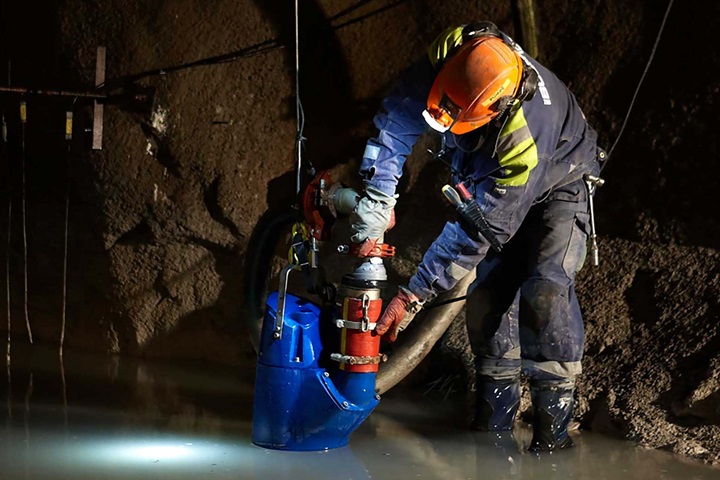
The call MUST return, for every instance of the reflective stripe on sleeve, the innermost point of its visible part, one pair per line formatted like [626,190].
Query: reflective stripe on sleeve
[517,152]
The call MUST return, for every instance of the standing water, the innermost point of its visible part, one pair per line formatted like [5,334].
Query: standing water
[113,418]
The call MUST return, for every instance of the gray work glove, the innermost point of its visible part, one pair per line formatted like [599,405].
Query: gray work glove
[373,215]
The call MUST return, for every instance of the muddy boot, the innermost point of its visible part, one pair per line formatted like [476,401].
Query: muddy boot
[552,402]
[496,404]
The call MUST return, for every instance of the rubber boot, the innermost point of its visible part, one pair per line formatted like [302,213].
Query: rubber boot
[496,404]
[552,402]
[497,455]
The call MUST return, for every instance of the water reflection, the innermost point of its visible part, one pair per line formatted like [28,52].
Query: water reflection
[112,418]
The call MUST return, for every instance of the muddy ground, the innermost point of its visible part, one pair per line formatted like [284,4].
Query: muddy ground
[160,218]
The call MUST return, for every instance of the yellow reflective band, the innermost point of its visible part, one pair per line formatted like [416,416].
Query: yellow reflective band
[68,125]
[517,152]
[23,112]
[516,122]
[448,40]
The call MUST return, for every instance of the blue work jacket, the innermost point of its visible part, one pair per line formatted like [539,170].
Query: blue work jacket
[543,144]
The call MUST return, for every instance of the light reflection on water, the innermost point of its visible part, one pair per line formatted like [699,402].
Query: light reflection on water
[132,420]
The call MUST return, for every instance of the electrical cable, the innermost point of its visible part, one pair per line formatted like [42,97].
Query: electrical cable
[23,123]
[7,253]
[349,10]
[247,52]
[371,14]
[642,79]
[7,257]
[265,46]
[299,113]
[446,302]
[68,139]
[7,272]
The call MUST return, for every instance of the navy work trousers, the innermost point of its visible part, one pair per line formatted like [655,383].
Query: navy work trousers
[523,312]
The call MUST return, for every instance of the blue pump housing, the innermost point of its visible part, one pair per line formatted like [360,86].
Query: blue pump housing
[298,405]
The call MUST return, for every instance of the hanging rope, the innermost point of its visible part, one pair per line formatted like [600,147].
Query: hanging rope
[7,249]
[7,257]
[28,397]
[642,79]
[23,123]
[68,139]
[299,113]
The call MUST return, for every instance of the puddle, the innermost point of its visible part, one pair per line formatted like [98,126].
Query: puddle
[124,419]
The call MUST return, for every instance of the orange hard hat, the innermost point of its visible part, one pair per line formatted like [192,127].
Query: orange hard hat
[474,85]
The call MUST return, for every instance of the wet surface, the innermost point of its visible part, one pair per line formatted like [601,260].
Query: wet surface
[110,418]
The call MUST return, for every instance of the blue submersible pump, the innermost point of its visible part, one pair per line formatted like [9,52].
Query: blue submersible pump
[316,367]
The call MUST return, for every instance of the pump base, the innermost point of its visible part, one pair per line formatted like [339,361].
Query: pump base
[303,410]
[298,405]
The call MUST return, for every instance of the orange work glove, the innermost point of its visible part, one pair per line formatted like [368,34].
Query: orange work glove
[398,314]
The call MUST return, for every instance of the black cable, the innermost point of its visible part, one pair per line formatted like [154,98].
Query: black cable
[446,302]
[642,79]
[349,10]
[371,14]
[23,159]
[246,52]
[68,165]
[299,113]
[8,246]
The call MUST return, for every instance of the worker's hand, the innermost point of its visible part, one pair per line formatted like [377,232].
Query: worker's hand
[372,217]
[369,244]
[399,313]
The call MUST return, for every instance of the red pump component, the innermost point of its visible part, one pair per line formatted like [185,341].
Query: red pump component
[319,216]
[359,346]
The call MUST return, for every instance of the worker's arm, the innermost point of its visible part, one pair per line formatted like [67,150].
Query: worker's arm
[502,198]
[399,123]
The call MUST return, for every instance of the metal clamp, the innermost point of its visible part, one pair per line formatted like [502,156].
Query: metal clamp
[342,323]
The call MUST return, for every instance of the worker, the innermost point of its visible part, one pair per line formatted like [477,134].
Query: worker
[515,140]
